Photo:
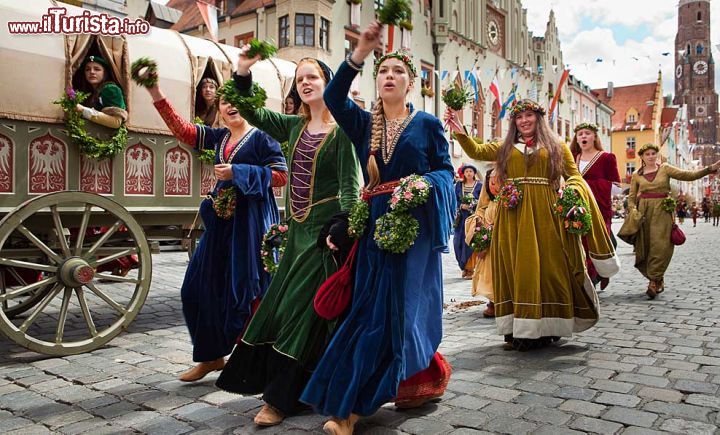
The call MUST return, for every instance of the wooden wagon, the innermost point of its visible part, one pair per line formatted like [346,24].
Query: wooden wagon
[66,217]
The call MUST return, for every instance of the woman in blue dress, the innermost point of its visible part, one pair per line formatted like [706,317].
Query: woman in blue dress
[467,192]
[226,272]
[386,347]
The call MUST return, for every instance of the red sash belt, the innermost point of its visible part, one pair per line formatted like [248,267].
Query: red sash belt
[651,195]
[380,189]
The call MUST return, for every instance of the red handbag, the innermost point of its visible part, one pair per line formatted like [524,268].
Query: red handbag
[333,296]
[677,237]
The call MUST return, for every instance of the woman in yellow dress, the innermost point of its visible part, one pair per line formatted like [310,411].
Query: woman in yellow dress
[484,216]
[649,186]
[541,286]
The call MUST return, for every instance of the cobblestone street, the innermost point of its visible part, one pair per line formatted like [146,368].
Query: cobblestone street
[647,367]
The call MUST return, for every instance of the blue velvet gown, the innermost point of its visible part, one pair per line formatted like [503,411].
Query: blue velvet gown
[226,272]
[394,325]
[463,251]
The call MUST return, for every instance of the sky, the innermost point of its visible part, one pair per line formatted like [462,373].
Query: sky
[619,30]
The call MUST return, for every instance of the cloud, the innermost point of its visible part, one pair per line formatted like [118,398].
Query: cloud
[590,29]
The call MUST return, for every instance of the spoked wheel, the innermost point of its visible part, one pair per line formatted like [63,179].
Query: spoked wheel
[66,240]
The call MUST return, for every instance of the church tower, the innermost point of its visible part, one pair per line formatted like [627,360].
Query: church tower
[695,71]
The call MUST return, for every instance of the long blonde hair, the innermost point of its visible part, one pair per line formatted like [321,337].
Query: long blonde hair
[544,138]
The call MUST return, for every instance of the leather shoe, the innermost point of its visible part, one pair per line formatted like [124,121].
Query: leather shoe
[268,416]
[202,369]
[489,310]
[337,426]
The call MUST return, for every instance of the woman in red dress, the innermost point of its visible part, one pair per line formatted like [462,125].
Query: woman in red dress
[599,169]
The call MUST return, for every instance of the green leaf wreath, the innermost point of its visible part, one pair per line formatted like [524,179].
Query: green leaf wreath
[396,13]
[669,204]
[275,239]
[143,66]
[456,97]
[224,203]
[263,48]
[256,100]
[89,146]
[396,231]
[207,157]
[359,215]
[574,211]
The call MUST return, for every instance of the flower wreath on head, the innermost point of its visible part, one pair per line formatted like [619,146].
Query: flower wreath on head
[648,146]
[586,126]
[401,55]
[525,106]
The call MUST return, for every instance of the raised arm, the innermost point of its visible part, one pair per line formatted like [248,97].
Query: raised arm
[183,130]
[683,175]
[478,151]
[354,121]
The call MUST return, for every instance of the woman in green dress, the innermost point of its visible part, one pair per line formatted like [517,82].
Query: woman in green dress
[286,337]
[541,286]
[106,104]
[649,186]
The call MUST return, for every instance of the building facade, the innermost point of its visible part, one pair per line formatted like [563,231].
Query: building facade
[695,76]
[636,121]
[585,106]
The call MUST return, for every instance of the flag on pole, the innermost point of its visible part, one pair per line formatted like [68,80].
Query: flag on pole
[495,89]
[508,102]
[473,82]
[390,38]
[209,15]
[553,105]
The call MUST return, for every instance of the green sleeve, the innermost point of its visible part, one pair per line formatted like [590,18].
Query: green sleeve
[348,171]
[112,96]
[680,174]
[277,125]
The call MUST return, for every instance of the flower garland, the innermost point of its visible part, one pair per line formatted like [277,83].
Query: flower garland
[669,204]
[456,97]
[396,13]
[264,49]
[574,211]
[527,106]
[510,195]
[412,191]
[396,232]
[89,146]
[274,239]
[224,203]
[357,221]
[231,95]
[144,67]
[482,238]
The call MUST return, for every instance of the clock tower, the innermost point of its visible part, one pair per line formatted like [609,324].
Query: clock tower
[695,71]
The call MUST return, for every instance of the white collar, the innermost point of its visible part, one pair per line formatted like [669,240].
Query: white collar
[521,147]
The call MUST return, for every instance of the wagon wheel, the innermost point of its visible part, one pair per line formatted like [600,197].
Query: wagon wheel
[20,305]
[74,307]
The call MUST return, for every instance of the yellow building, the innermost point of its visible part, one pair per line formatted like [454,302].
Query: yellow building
[636,121]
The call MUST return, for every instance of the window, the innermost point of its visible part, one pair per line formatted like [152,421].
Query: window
[243,39]
[699,16]
[631,118]
[379,4]
[305,29]
[699,49]
[630,142]
[284,31]
[629,168]
[324,34]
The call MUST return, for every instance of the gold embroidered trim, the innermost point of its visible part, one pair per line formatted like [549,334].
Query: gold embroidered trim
[531,180]
[387,151]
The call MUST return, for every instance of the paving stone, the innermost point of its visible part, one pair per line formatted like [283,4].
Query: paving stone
[57,421]
[502,409]
[587,424]
[575,393]
[613,386]
[626,400]
[163,425]
[536,399]
[11,424]
[584,408]
[631,417]
[635,378]
[421,426]
[167,402]
[703,400]
[547,415]
[469,402]
[83,426]
[508,425]
[634,430]
[695,387]
[36,429]
[691,412]
[675,425]
[660,394]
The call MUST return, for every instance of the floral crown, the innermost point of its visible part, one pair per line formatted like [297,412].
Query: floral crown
[402,56]
[586,126]
[525,106]
[648,146]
